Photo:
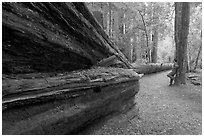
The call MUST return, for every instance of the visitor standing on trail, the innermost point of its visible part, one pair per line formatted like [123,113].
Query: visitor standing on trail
[173,72]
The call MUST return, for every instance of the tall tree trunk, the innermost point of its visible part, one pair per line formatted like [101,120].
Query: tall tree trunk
[127,46]
[182,10]
[154,46]
[187,66]
[147,39]
[196,63]
[110,18]
[188,61]
[155,19]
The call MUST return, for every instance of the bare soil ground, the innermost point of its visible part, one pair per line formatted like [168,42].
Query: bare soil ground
[160,110]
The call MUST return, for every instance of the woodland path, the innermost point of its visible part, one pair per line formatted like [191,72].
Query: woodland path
[160,109]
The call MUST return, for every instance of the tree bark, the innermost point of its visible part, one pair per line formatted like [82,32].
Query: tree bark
[182,10]
[188,61]
[147,39]
[200,48]
[154,46]
[37,105]
[110,22]
[49,37]
[196,63]
[151,67]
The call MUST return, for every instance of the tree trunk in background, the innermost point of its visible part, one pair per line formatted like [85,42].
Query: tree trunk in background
[200,48]
[154,46]
[196,63]
[147,39]
[187,66]
[129,49]
[110,22]
[182,10]
[127,46]
[188,61]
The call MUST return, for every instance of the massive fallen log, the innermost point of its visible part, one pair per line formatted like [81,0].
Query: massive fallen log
[66,102]
[42,43]
[47,37]
[151,67]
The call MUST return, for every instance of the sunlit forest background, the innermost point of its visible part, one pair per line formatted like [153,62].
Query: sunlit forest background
[144,32]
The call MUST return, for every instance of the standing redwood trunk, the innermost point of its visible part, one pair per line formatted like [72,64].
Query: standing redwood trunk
[182,10]
[188,61]
[196,63]
[155,44]
[155,36]
[147,39]
[200,48]
[110,18]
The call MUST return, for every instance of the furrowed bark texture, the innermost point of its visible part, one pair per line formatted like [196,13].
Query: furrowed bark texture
[182,10]
[155,46]
[46,37]
[41,94]
[65,103]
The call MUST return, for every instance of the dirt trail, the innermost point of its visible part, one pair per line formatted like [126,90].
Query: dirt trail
[160,109]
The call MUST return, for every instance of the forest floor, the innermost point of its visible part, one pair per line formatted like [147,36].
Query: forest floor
[160,110]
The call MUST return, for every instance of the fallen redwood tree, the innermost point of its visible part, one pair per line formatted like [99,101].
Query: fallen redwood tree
[151,67]
[148,68]
[47,37]
[50,84]
[62,104]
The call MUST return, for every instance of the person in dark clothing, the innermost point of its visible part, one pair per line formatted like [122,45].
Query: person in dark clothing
[173,72]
